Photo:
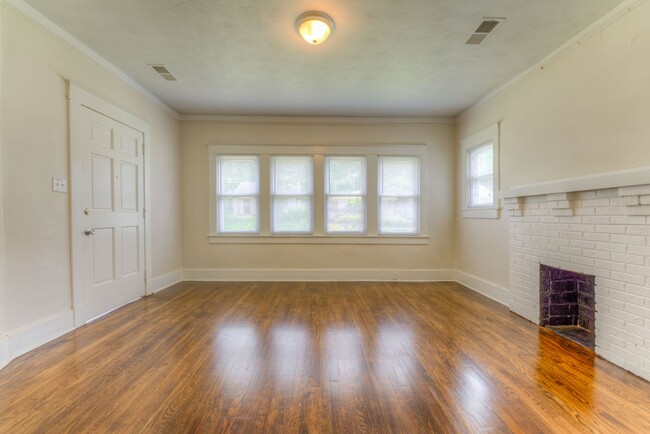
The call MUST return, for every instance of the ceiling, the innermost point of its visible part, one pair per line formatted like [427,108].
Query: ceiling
[385,57]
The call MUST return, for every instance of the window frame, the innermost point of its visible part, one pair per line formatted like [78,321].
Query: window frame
[380,194]
[318,154]
[488,135]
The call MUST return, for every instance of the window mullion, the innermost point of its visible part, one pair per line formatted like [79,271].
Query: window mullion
[264,195]
[372,189]
[318,204]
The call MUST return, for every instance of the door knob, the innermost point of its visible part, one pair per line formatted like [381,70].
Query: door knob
[89,232]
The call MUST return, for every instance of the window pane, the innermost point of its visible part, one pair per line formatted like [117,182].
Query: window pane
[482,191]
[481,161]
[293,175]
[238,214]
[347,175]
[292,214]
[398,215]
[238,175]
[345,214]
[481,166]
[399,176]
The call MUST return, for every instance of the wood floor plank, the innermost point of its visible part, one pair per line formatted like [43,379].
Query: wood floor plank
[317,357]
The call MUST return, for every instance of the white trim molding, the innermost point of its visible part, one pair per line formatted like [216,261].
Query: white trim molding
[320,275]
[318,120]
[22,8]
[488,289]
[597,181]
[27,338]
[318,239]
[5,355]
[163,282]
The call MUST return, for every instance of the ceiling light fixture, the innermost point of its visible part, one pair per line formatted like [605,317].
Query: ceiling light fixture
[314,27]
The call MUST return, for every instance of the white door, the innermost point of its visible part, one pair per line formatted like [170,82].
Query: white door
[112,217]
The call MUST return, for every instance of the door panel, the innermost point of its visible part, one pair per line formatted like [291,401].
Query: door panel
[130,250]
[102,182]
[129,186]
[113,250]
[103,254]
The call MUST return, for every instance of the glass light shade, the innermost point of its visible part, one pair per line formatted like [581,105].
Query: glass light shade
[314,27]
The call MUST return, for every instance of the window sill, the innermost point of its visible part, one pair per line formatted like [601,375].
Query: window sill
[319,239]
[480,213]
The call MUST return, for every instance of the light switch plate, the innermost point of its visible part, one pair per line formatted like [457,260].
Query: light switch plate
[59,185]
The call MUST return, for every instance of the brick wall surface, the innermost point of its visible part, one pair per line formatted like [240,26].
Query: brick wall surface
[605,233]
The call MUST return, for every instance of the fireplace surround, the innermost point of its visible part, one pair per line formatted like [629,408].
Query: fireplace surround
[602,233]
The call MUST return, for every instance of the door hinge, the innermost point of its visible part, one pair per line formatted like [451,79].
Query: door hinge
[144,212]
[142,148]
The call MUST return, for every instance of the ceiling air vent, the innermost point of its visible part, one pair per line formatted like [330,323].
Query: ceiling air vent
[164,72]
[483,30]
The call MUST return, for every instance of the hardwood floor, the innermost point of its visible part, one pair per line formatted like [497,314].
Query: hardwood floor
[317,357]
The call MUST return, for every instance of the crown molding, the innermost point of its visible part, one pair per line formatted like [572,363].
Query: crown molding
[319,119]
[600,24]
[21,8]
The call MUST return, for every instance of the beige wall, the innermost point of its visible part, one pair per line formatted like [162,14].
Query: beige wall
[34,140]
[198,254]
[3,287]
[585,112]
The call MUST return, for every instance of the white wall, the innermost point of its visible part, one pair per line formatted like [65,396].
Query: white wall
[199,254]
[35,148]
[585,112]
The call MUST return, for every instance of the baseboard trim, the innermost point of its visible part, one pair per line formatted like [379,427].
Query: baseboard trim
[484,287]
[319,275]
[165,281]
[34,335]
[5,358]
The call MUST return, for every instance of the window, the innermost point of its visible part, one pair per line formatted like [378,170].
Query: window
[238,194]
[291,194]
[481,175]
[345,194]
[317,194]
[399,195]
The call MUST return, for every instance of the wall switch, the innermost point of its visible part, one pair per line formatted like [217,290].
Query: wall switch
[59,185]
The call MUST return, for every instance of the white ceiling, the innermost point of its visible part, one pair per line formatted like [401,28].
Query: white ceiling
[385,57]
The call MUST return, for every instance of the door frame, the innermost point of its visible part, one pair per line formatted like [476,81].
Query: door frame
[78,99]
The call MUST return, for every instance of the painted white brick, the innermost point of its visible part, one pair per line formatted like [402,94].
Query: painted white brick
[605,233]
[642,210]
[636,270]
[634,240]
[631,200]
[629,259]
[627,220]
[634,190]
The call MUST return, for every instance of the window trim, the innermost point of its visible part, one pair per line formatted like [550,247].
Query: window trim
[481,138]
[318,153]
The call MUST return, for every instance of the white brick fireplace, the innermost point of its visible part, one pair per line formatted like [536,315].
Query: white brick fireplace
[605,233]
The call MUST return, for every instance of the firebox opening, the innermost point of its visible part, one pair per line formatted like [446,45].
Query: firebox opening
[567,304]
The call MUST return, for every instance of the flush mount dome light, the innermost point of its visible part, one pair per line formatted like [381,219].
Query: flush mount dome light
[314,27]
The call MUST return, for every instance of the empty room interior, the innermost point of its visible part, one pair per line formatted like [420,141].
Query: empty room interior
[317,216]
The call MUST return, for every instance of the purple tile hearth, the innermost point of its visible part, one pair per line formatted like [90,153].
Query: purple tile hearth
[566,299]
